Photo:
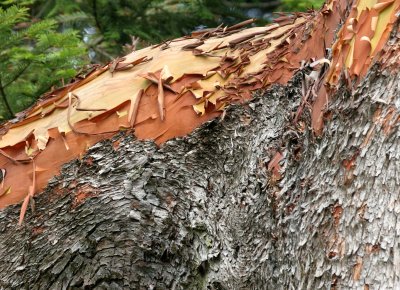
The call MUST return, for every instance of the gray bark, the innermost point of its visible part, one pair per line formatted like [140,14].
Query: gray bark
[203,212]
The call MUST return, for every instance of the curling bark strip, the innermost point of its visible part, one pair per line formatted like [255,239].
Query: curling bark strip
[167,90]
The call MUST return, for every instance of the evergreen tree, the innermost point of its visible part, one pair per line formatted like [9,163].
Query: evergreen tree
[34,57]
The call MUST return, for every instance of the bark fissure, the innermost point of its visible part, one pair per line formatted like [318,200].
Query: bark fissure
[171,217]
[205,211]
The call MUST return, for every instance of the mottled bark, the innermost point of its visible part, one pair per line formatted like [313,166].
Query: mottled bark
[205,212]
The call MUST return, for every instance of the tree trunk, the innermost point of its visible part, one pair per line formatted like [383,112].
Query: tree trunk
[250,200]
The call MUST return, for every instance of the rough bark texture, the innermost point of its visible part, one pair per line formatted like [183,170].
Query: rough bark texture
[192,214]
[204,211]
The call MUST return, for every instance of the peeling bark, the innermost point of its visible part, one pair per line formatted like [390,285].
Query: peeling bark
[204,211]
[129,215]
[251,200]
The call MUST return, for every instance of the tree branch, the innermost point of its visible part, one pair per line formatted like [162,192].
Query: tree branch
[102,52]
[16,76]
[4,96]
[43,9]
[246,5]
[96,16]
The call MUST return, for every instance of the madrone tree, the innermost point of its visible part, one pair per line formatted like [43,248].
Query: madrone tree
[231,158]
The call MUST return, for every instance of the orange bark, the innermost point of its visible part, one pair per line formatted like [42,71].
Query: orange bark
[185,83]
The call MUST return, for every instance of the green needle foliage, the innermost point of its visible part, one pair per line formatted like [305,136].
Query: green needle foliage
[110,26]
[301,5]
[34,56]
